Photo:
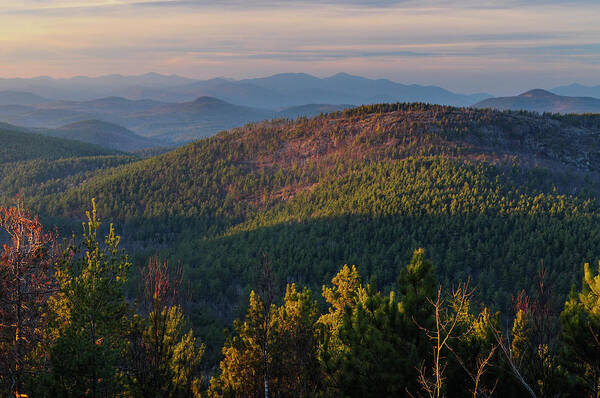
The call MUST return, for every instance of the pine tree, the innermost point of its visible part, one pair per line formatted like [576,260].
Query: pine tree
[580,335]
[242,368]
[297,369]
[292,363]
[164,356]
[90,315]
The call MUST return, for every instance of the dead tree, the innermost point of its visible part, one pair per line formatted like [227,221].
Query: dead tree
[26,283]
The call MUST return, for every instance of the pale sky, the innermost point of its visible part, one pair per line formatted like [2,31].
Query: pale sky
[501,47]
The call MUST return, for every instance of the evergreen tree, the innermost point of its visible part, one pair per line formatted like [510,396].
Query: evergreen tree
[379,360]
[580,321]
[292,363]
[344,295]
[90,316]
[242,368]
[163,356]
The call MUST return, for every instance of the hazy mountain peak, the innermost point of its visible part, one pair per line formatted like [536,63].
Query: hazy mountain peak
[105,134]
[91,123]
[538,93]
[578,90]
[205,100]
[344,75]
[543,101]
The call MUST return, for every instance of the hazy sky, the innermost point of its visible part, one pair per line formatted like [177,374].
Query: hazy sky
[502,47]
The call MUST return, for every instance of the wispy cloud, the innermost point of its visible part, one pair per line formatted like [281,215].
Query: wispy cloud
[468,45]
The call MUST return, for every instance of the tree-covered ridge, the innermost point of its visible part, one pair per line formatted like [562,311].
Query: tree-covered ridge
[474,219]
[490,195]
[41,177]
[20,146]
[281,157]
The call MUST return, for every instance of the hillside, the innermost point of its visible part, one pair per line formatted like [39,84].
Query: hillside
[192,120]
[21,146]
[543,101]
[114,107]
[104,134]
[34,117]
[489,194]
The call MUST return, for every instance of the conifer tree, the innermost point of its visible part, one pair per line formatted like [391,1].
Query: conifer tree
[163,356]
[242,368]
[293,365]
[380,359]
[344,295]
[90,315]
[580,321]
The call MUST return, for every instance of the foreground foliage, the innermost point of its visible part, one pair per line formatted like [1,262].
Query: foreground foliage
[67,329]
[75,333]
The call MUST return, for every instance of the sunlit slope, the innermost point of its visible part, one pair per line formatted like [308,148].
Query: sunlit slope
[491,195]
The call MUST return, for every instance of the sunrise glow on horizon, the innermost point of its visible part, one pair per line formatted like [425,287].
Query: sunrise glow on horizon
[490,46]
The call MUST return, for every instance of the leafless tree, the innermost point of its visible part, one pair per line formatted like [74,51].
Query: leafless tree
[26,283]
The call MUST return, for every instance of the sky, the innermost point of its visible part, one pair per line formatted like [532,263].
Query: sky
[500,47]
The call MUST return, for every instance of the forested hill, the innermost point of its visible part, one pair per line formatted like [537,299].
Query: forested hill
[104,134]
[490,195]
[262,164]
[18,145]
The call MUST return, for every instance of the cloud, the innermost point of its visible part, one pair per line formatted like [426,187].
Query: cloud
[50,6]
[471,45]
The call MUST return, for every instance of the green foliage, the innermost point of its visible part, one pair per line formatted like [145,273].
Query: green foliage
[42,177]
[91,316]
[164,356]
[381,358]
[488,194]
[580,322]
[20,146]
[376,348]
[274,346]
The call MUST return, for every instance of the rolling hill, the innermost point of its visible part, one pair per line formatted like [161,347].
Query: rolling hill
[84,88]
[19,146]
[295,89]
[543,101]
[192,120]
[104,134]
[36,165]
[489,194]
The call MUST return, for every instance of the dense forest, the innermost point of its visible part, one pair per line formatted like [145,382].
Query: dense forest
[69,329]
[18,146]
[494,198]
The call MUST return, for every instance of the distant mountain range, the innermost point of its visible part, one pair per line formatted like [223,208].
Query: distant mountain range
[130,113]
[20,98]
[578,90]
[543,101]
[129,125]
[278,91]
